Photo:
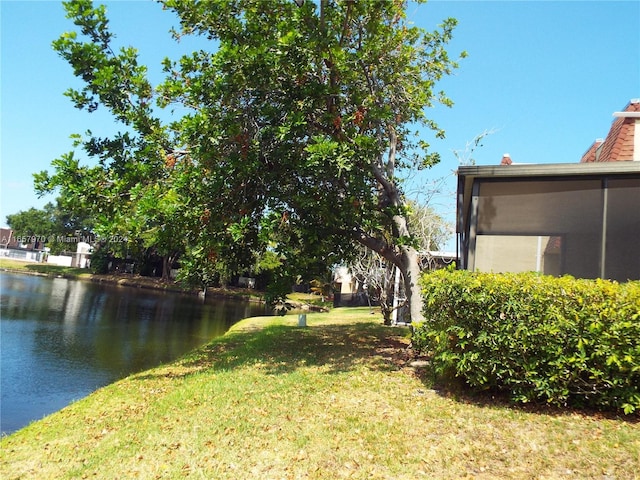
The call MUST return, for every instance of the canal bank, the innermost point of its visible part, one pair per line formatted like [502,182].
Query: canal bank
[122,279]
[301,302]
[62,338]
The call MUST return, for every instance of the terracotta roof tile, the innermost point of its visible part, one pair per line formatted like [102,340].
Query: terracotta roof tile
[590,155]
[506,159]
[618,146]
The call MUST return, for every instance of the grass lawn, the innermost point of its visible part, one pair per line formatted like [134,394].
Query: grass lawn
[310,299]
[43,268]
[337,399]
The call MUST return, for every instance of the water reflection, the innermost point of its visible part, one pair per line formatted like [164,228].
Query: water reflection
[61,339]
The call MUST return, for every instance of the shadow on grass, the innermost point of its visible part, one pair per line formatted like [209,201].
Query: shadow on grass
[283,349]
[56,270]
[342,348]
[458,390]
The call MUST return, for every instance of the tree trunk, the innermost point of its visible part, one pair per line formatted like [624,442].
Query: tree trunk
[167,262]
[410,269]
[407,260]
[165,268]
[404,256]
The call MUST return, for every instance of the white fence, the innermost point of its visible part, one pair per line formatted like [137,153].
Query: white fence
[24,255]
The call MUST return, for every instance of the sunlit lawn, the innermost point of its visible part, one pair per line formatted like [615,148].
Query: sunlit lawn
[334,400]
[311,299]
[43,268]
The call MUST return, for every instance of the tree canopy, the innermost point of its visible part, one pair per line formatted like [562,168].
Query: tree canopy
[298,123]
[49,224]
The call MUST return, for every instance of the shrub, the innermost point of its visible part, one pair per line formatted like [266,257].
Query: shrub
[100,260]
[559,340]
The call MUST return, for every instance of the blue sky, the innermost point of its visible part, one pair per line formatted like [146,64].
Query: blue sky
[544,76]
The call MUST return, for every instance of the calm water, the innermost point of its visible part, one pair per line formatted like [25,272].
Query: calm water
[62,339]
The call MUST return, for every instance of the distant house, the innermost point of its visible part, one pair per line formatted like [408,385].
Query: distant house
[6,237]
[581,219]
[19,248]
[32,249]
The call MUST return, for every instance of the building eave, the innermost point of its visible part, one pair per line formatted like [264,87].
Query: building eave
[468,174]
[547,170]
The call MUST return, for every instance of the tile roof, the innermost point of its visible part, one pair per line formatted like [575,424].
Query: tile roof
[506,159]
[590,155]
[618,146]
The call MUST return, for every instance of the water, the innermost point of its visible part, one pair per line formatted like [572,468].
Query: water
[62,339]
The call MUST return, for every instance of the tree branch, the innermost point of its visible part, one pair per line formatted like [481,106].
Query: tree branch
[381,247]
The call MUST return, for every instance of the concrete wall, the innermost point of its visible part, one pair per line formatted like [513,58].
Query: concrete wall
[61,260]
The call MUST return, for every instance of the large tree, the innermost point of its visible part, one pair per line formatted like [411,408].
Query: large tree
[49,225]
[34,222]
[300,121]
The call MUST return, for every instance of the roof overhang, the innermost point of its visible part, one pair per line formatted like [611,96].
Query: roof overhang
[468,175]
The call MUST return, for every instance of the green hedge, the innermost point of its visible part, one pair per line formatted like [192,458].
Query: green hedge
[559,340]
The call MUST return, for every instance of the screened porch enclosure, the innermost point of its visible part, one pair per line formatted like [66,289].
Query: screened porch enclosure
[577,219]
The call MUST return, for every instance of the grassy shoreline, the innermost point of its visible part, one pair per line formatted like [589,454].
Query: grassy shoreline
[297,300]
[124,280]
[338,399]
